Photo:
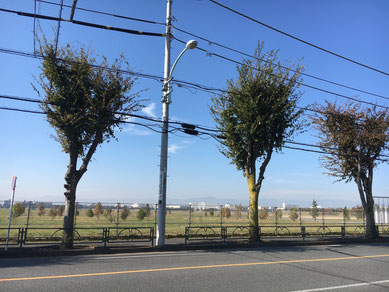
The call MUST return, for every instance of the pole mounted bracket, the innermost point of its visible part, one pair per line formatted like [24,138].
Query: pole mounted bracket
[166,97]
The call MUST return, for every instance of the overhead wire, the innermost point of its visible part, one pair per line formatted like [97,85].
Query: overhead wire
[149,76]
[34,100]
[302,84]
[299,39]
[212,42]
[83,23]
[43,113]
[213,135]
[105,13]
[281,66]
[218,44]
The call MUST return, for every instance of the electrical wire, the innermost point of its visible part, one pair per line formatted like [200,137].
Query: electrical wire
[302,84]
[83,23]
[212,42]
[281,66]
[34,100]
[42,113]
[155,77]
[299,39]
[211,135]
[104,13]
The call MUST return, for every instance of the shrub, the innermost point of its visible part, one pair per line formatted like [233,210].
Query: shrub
[60,210]
[263,214]
[125,213]
[293,214]
[41,210]
[89,213]
[141,214]
[147,210]
[18,210]
[98,210]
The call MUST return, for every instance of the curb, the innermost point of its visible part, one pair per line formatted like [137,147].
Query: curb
[45,251]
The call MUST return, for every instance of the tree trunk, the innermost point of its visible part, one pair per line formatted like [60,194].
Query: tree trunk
[253,208]
[365,189]
[70,202]
[371,229]
[68,220]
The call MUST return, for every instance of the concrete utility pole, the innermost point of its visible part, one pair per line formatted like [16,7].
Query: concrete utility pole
[164,136]
[166,100]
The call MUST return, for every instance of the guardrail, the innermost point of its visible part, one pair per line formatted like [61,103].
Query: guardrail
[224,233]
[105,235]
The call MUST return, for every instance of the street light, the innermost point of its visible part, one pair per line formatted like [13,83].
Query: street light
[166,100]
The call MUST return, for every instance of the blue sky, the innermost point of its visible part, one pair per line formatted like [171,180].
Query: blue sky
[127,171]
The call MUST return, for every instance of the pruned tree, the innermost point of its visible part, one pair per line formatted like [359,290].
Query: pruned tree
[228,212]
[314,210]
[53,212]
[89,213]
[293,215]
[107,213]
[148,210]
[238,211]
[256,116]
[346,213]
[125,213]
[141,214]
[84,103]
[99,210]
[41,209]
[18,210]
[60,211]
[355,140]
[263,214]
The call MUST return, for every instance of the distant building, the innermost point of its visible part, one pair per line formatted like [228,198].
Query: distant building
[289,206]
[204,206]
[5,204]
[176,207]
[134,206]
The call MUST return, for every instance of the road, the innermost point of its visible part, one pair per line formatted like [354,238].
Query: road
[363,267]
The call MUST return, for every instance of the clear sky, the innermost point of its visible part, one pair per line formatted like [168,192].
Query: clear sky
[127,170]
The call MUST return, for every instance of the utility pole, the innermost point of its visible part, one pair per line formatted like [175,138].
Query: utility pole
[164,136]
[13,187]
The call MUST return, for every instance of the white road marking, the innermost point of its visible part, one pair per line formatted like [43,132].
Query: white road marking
[344,286]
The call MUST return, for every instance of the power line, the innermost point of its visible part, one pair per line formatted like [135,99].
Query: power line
[302,73]
[299,39]
[220,45]
[302,84]
[179,83]
[34,100]
[186,83]
[196,133]
[83,23]
[212,42]
[42,113]
[105,13]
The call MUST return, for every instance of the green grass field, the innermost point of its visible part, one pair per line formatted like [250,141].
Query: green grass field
[176,221]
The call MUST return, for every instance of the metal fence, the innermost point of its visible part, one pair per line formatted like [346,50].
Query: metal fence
[189,222]
[106,235]
[232,233]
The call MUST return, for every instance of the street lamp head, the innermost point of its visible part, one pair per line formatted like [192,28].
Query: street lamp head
[192,44]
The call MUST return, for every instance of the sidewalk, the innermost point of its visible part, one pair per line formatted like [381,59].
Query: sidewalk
[177,244]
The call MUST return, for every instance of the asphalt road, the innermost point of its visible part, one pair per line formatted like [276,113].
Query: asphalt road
[362,267]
